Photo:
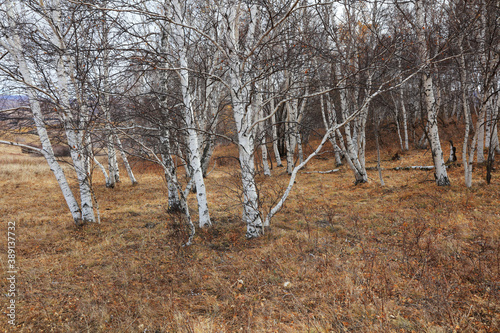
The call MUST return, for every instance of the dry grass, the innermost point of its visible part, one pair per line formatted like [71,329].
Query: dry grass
[407,257]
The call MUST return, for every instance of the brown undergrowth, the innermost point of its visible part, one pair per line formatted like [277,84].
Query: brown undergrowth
[407,257]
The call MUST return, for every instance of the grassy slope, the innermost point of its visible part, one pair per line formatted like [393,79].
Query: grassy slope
[401,258]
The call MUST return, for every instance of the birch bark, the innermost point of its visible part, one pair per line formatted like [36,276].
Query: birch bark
[174,201]
[350,148]
[403,107]
[125,160]
[274,131]
[330,122]
[291,141]
[76,139]
[262,132]
[430,102]
[193,144]
[114,173]
[13,45]
[244,114]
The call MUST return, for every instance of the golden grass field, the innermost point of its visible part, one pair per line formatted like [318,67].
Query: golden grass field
[407,257]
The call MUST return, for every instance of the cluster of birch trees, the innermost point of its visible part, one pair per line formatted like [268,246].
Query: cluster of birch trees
[161,75]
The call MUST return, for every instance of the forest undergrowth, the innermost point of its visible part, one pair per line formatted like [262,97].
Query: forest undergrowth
[406,257]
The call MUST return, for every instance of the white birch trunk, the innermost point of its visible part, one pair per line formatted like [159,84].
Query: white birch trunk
[174,201]
[274,132]
[125,161]
[102,168]
[262,133]
[75,140]
[330,123]
[299,146]
[206,156]
[398,128]
[114,173]
[213,112]
[265,163]
[379,169]
[405,121]
[494,132]
[350,154]
[480,125]
[362,136]
[291,132]
[298,121]
[352,159]
[13,45]
[353,134]
[251,215]
[49,153]
[437,153]
[243,115]
[195,163]
[402,102]
[76,131]
[488,125]
[193,144]
[288,144]
[396,119]
[430,102]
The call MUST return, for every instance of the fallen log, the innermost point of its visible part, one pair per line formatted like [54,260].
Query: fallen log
[323,172]
[413,167]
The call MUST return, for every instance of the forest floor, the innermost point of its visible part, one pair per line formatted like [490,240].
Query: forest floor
[406,257]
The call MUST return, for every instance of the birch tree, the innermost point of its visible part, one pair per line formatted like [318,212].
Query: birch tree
[179,34]
[430,102]
[114,174]
[47,23]
[238,52]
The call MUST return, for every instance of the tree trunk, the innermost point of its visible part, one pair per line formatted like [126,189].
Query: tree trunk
[47,150]
[430,102]
[480,136]
[103,170]
[377,134]
[350,154]
[243,118]
[14,46]
[251,215]
[291,140]
[174,201]
[125,161]
[298,121]
[114,175]
[437,153]
[330,123]
[188,114]
[262,133]
[274,132]
[453,155]
[114,172]
[405,121]
[76,139]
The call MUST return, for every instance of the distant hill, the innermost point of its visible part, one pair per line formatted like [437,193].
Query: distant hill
[13,101]
[17,106]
